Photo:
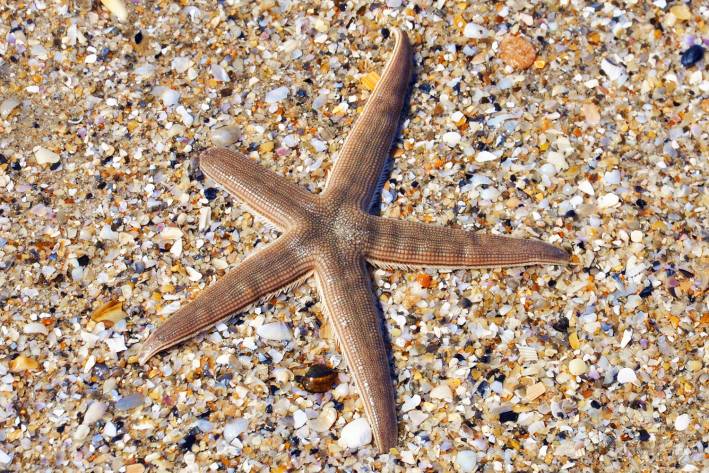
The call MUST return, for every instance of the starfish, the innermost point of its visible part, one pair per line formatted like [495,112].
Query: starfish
[332,236]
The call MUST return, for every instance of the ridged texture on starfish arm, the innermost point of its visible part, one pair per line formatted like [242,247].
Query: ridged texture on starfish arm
[398,243]
[332,236]
[271,195]
[345,289]
[359,165]
[260,275]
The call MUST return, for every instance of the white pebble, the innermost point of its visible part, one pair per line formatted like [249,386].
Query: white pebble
[490,194]
[225,135]
[276,95]
[318,145]
[235,428]
[274,331]
[4,458]
[117,7]
[557,159]
[219,73]
[636,236]
[44,156]
[626,375]
[627,336]
[94,412]
[107,233]
[393,3]
[466,460]
[451,138]
[35,327]
[116,344]
[442,391]
[291,140]
[474,31]
[411,403]
[144,70]
[299,418]
[170,233]
[586,187]
[193,274]
[169,97]
[180,64]
[608,200]
[416,417]
[110,430]
[613,71]
[356,434]
[682,422]
[8,105]
[485,156]
[577,367]
[185,116]
[324,421]
[611,178]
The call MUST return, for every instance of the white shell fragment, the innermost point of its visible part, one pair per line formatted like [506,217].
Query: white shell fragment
[225,135]
[451,138]
[8,105]
[356,434]
[608,200]
[442,391]
[94,412]
[274,331]
[577,367]
[117,8]
[485,156]
[276,95]
[235,428]
[324,421]
[682,422]
[44,156]
[466,461]
[299,418]
[626,375]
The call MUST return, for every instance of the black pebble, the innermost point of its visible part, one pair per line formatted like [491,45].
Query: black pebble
[55,166]
[3,159]
[692,55]
[595,404]
[508,416]
[210,193]
[385,33]
[561,325]
[83,260]
[138,37]
[189,440]
[16,166]
[466,303]
[646,291]
[643,435]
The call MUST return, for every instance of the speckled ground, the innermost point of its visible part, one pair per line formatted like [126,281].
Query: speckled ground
[587,129]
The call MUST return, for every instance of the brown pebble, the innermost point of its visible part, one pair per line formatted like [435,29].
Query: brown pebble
[319,379]
[135,468]
[517,51]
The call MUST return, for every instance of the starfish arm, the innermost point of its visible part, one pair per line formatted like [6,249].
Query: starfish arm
[271,195]
[347,296]
[358,168]
[262,274]
[398,243]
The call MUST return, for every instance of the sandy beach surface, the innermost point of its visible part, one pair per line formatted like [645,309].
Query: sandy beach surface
[578,123]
